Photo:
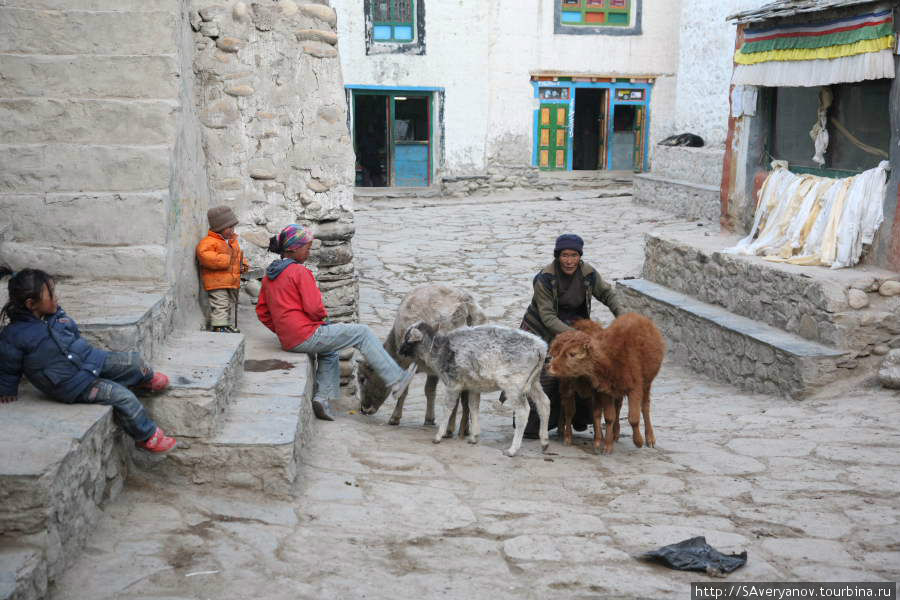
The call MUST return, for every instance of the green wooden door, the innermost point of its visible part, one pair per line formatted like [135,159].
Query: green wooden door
[639,137]
[553,139]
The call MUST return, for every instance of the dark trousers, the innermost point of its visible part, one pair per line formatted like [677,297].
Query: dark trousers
[583,417]
[121,371]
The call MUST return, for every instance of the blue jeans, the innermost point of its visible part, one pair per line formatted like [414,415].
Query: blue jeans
[120,371]
[333,337]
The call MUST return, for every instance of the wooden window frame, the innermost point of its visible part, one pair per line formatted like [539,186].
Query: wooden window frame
[413,47]
[393,23]
[585,8]
[595,7]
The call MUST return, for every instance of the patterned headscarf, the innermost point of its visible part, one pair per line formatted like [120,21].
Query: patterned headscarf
[293,236]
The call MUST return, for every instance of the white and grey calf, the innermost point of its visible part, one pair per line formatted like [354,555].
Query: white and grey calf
[484,359]
[444,308]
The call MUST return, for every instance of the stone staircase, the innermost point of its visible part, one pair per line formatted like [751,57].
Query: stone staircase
[88,124]
[763,326]
[684,181]
[60,464]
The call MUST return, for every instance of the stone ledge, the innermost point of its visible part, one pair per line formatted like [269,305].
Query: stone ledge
[697,165]
[732,348]
[679,197]
[72,32]
[23,570]
[136,6]
[259,445]
[203,369]
[810,302]
[59,464]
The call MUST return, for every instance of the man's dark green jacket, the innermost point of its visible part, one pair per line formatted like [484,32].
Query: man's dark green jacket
[542,318]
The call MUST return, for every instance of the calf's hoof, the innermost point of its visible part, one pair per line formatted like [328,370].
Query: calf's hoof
[509,452]
[394,421]
[607,450]
[436,440]
[473,439]
[544,446]
[429,423]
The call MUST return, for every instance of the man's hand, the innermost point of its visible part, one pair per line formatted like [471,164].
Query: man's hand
[7,399]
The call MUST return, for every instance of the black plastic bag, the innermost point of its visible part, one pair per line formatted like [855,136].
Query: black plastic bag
[696,555]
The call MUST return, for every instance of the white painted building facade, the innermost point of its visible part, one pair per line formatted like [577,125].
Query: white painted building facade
[475,62]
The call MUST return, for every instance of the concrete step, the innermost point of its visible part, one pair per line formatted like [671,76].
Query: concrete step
[136,263]
[731,348]
[29,31]
[96,5]
[580,180]
[678,197]
[203,370]
[698,165]
[811,302]
[73,217]
[120,316]
[258,447]
[23,570]
[84,168]
[81,76]
[59,464]
[89,122]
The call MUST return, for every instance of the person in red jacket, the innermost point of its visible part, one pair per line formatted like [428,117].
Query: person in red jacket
[290,304]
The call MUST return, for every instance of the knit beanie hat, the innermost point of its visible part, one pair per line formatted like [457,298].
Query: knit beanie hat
[221,218]
[291,237]
[568,241]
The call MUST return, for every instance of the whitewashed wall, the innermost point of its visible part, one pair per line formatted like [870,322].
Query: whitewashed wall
[705,60]
[482,54]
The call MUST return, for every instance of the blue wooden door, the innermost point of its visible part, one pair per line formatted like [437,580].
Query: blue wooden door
[411,127]
[411,164]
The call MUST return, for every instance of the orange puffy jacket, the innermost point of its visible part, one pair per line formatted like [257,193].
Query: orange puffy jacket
[220,262]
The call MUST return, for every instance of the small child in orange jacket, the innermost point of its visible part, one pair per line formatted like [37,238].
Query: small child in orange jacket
[221,264]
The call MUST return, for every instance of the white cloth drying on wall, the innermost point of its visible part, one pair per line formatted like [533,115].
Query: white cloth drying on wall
[810,220]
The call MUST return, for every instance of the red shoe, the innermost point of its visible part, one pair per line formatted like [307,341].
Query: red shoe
[157,383]
[159,442]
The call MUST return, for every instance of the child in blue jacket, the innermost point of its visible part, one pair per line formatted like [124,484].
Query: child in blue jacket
[42,342]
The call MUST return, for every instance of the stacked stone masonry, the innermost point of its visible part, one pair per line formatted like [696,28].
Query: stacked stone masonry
[731,348]
[782,296]
[122,121]
[271,101]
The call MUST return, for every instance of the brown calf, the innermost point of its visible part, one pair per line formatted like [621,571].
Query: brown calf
[618,361]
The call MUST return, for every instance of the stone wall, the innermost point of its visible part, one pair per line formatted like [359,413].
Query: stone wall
[816,309]
[727,355]
[274,126]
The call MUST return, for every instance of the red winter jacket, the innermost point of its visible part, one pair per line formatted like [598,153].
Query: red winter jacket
[290,303]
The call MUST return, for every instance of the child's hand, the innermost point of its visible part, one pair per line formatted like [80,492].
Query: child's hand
[6,399]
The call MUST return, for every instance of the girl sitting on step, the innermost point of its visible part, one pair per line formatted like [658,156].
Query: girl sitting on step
[43,343]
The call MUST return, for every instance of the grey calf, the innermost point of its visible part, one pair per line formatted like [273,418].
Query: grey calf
[481,359]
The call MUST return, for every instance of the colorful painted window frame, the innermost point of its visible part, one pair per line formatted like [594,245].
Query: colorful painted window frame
[595,13]
[614,85]
[597,17]
[393,21]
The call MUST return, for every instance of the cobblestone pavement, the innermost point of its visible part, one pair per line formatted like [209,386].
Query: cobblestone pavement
[809,489]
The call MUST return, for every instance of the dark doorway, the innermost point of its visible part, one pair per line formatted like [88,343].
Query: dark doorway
[625,128]
[586,151]
[371,140]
